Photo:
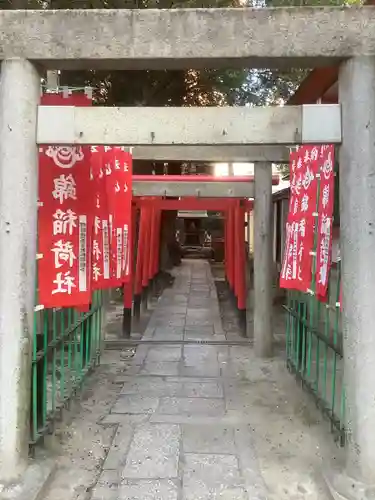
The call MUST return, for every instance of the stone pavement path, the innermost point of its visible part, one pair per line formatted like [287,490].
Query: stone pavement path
[184,430]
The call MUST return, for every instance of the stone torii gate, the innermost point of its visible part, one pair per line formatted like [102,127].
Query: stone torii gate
[177,39]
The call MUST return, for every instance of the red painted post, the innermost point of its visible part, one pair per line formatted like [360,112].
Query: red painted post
[231,244]
[147,255]
[157,243]
[140,263]
[152,244]
[146,247]
[148,291]
[226,244]
[128,287]
[240,257]
[229,212]
[236,240]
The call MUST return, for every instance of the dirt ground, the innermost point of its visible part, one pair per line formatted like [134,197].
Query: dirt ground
[291,438]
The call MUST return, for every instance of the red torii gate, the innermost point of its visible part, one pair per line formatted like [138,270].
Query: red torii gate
[148,249]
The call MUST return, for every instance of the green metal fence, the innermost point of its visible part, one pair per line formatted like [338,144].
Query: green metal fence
[66,346]
[314,340]
[314,349]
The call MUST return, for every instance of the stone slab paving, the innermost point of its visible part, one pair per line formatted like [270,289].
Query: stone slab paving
[183,428]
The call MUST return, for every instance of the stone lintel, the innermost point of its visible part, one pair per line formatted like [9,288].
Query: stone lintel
[187,38]
[195,126]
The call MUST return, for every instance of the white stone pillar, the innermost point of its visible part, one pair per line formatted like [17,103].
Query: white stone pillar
[357,244]
[263,236]
[19,97]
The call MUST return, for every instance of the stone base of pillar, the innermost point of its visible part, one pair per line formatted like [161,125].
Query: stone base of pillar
[34,482]
[343,487]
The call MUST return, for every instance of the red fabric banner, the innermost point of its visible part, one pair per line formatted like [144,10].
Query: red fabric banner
[64,231]
[64,219]
[101,259]
[84,218]
[296,270]
[118,182]
[127,215]
[325,219]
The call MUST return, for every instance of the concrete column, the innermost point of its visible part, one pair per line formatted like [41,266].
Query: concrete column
[19,97]
[357,220]
[263,236]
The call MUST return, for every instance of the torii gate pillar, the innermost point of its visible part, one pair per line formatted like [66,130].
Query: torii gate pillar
[357,242]
[19,98]
[263,234]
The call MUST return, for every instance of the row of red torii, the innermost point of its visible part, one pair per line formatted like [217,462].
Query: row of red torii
[148,245]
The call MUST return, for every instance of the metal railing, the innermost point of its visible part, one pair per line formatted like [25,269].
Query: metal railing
[66,346]
[314,349]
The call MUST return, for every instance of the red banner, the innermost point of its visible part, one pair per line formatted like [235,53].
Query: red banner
[325,219]
[296,271]
[101,259]
[118,180]
[84,218]
[64,219]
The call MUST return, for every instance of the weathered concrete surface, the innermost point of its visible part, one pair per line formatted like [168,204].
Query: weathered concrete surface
[34,482]
[188,38]
[357,241]
[204,126]
[19,97]
[263,282]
